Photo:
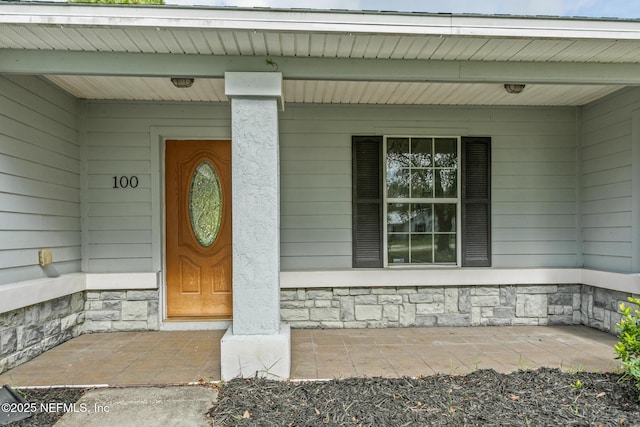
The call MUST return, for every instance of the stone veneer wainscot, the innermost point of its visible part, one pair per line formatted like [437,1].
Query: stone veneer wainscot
[383,307]
[117,311]
[27,332]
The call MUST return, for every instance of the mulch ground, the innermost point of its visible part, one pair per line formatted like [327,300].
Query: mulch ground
[48,396]
[545,397]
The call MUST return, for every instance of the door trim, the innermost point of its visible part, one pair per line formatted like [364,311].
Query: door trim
[157,137]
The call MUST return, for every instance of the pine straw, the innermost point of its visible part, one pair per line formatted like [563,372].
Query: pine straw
[545,397]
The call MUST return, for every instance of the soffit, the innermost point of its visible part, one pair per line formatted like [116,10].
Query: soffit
[308,33]
[273,43]
[321,34]
[336,92]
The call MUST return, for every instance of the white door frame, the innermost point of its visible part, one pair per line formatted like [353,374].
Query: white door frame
[158,135]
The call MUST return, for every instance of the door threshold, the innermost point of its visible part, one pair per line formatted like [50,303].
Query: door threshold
[198,319]
[195,324]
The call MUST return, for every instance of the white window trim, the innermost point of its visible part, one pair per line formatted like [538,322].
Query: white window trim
[386,201]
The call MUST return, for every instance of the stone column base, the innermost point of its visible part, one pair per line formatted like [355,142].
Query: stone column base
[245,356]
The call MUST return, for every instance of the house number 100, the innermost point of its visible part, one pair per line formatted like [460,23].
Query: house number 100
[125,181]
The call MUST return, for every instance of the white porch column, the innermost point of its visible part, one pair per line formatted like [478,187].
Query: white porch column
[256,343]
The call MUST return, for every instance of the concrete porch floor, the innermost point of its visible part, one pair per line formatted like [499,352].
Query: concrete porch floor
[144,358]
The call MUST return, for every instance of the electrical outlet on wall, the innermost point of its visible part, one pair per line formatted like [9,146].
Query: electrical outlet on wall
[45,257]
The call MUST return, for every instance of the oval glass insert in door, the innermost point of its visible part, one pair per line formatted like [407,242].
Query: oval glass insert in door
[205,204]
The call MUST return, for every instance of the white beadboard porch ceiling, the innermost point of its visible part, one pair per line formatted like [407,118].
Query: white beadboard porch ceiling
[343,35]
[336,92]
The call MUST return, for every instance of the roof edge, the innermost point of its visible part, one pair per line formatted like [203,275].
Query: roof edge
[317,21]
[336,11]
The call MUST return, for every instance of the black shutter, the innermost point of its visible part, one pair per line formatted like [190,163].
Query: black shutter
[367,201]
[476,202]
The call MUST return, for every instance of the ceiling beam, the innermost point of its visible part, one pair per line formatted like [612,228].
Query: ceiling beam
[38,62]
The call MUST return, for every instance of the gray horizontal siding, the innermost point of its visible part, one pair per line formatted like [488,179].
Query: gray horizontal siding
[534,178]
[120,233]
[39,179]
[606,178]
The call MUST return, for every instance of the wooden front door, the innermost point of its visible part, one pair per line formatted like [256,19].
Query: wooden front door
[198,228]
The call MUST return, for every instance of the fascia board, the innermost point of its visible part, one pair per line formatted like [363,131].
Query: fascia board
[167,17]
